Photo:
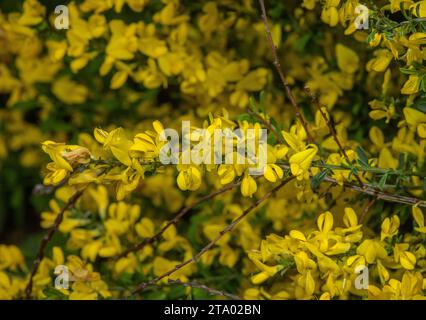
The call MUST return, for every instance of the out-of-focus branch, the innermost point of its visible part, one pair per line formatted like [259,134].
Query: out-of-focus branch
[366,209]
[283,79]
[331,128]
[380,195]
[211,291]
[46,239]
[142,286]
[176,219]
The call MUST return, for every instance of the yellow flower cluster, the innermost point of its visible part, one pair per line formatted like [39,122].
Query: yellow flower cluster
[326,263]
[345,148]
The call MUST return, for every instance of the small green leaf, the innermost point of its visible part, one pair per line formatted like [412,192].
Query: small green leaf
[318,178]
[53,294]
[382,181]
[277,128]
[262,102]
[253,105]
[363,159]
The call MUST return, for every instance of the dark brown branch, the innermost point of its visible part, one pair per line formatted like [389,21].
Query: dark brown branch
[331,128]
[268,125]
[176,219]
[277,65]
[142,286]
[211,291]
[46,239]
[366,209]
[380,195]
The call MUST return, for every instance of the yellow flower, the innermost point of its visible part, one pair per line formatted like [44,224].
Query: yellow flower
[145,228]
[419,218]
[152,47]
[33,13]
[123,42]
[309,4]
[381,111]
[381,61]
[189,177]
[300,162]
[419,8]
[11,258]
[69,92]
[64,157]
[126,265]
[389,227]
[117,142]
[57,49]
[412,85]
[404,257]
[171,64]
[347,59]
[416,120]
[267,271]
[273,172]
[330,16]
[226,173]
[371,250]
[248,186]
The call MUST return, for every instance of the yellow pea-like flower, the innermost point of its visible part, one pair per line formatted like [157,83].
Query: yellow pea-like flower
[301,162]
[248,186]
[273,172]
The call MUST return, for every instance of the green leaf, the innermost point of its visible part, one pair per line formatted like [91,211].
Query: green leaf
[195,227]
[25,105]
[176,292]
[156,295]
[420,104]
[363,159]
[262,102]
[318,178]
[244,117]
[17,202]
[408,71]
[53,294]
[301,43]
[277,128]
[402,163]
[253,105]
[200,294]
[382,181]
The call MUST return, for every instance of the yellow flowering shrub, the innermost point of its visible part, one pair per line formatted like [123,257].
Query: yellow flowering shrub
[263,150]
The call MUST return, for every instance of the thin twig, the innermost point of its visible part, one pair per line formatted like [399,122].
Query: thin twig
[331,128]
[380,195]
[268,125]
[142,286]
[41,251]
[366,209]
[176,219]
[211,291]
[277,65]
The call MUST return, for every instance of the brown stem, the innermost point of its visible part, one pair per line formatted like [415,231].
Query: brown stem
[176,219]
[366,209]
[211,291]
[380,195]
[277,65]
[46,239]
[142,286]
[268,125]
[332,129]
